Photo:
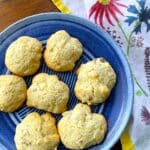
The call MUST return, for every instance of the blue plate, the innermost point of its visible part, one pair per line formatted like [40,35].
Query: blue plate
[97,43]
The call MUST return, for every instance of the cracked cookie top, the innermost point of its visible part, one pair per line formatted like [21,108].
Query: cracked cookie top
[95,81]
[37,132]
[48,93]
[80,128]
[62,51]
[23,56]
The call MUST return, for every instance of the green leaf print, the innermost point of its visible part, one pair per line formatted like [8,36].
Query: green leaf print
[139,93]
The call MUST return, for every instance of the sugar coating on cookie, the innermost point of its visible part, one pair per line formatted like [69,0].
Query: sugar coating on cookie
[12,92]
[95,81]
[48,93]
[62,51]
[80,128]
[23,56]
[37,132]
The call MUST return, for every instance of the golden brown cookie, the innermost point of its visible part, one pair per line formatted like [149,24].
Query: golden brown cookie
[37,132]
[62,51]
[12,92]
[95,81]
[48,93]
[23,56]
[80,128]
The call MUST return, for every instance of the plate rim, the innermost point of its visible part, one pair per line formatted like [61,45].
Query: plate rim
[118,50]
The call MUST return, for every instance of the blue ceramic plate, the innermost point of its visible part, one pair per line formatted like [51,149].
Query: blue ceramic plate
[96,43]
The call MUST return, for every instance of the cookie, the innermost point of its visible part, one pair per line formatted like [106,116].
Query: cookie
[62,51]
[37,132]
[80,128]
[23,56]
[48,93]
[95,81]
[12,92]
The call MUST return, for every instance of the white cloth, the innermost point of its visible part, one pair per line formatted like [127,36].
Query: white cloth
[139,54]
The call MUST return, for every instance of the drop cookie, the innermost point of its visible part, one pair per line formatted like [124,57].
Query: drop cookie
[48,93]
[12,92]
[62,51]
[23,56]
[80,128]
[95,81]
[37,132]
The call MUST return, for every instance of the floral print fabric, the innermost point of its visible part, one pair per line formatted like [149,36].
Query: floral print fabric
[128,22]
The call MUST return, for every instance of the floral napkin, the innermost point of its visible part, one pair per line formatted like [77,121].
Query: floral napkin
[128,22]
